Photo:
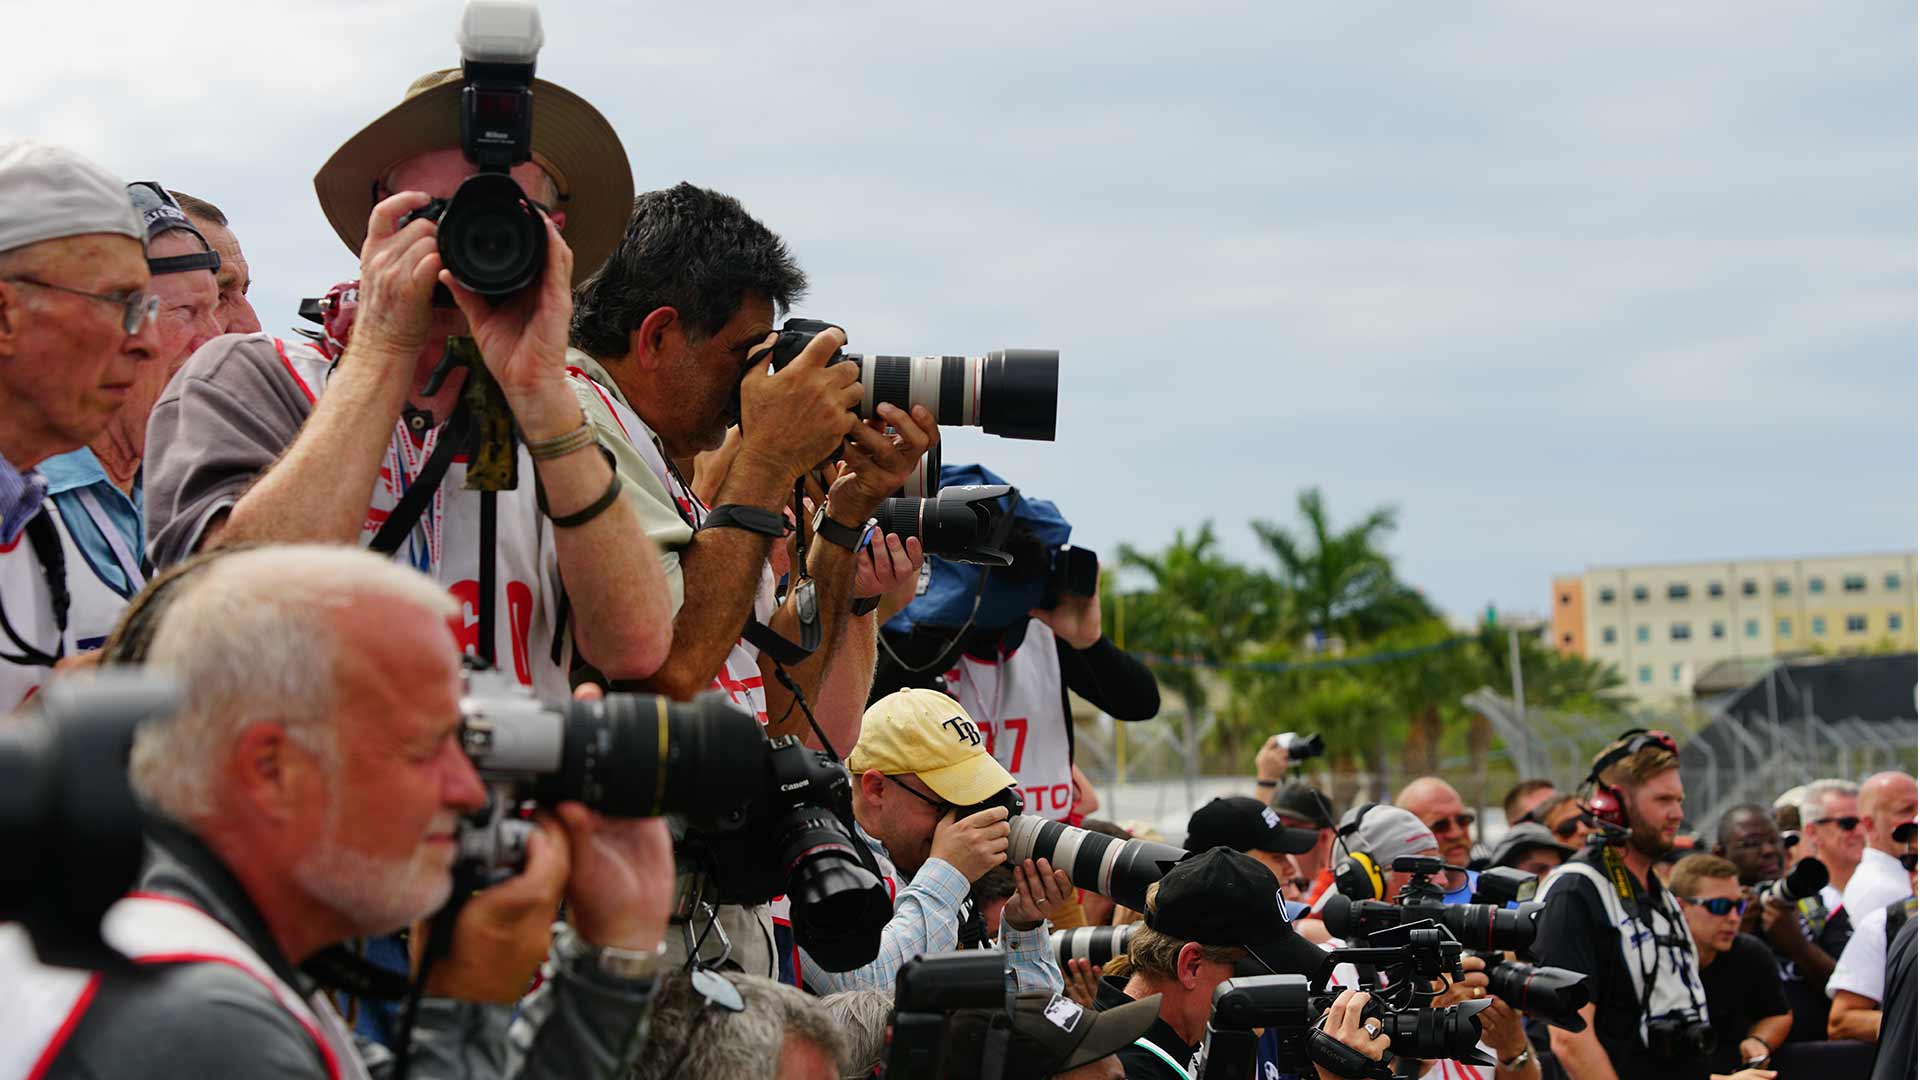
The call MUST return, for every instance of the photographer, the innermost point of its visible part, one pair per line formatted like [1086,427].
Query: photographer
[260,440]
[1743,993]
[920,759]
[307,791]
[1750,841]
[1830,831]
[1523,798]
[1301,806]
[76,333]
[1608,917]
[1255,830]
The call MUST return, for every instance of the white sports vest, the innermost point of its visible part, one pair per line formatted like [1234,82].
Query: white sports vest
[740,677]
[445,545]
[1015,700]
[1676,974]
[44,1004]
[27,608]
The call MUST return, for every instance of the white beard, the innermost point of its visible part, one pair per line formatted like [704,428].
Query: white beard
[378,896]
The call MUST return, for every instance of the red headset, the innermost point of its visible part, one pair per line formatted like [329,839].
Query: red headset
[1608,804]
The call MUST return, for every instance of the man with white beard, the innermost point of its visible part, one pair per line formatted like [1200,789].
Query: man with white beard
[308,791]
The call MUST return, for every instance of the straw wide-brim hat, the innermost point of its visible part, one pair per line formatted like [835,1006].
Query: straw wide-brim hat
[571,140]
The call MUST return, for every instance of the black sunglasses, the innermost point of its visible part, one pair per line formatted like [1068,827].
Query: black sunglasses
[1847,824]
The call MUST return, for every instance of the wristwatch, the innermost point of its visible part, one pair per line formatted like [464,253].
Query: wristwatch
[631,965]
[844,536]
[1518,1060]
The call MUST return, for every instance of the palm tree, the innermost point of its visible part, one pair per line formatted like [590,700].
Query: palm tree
[1342,582]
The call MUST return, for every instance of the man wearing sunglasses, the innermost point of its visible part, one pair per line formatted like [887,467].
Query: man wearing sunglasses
[1438,806]
[1886,803]
[1744,998]
[76,334]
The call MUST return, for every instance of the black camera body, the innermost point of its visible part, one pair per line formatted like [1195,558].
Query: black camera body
[1677,1037]
[796,837]
[1300,747]
[927,992]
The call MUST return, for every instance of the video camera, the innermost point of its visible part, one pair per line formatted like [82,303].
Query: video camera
[68,818]
[492,236]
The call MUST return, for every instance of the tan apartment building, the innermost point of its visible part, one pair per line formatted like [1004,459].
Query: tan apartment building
[1660,624]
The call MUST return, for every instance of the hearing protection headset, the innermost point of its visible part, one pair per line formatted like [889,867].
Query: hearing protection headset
[1608,803]
[1357,875]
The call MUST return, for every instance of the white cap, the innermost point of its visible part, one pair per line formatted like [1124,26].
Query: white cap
[48,192]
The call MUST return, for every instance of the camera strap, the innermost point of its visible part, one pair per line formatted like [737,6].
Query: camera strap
[44,537]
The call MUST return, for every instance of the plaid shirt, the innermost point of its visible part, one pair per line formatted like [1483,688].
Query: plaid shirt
[926,919]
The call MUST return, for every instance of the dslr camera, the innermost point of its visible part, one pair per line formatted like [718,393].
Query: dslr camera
[1679,1037]
[492,237]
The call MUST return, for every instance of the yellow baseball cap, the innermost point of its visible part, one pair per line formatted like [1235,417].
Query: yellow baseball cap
[928,734]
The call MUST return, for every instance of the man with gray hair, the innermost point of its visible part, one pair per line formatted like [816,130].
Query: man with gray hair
[308,791]
[734,1024]
[76,331]
[1829,831]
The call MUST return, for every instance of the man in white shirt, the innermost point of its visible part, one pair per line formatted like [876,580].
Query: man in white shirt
[1886,802]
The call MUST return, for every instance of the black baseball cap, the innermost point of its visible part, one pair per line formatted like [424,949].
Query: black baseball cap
[1051,1034]
[1222,897]
[1303,802]
[1245,824]
[1522,838]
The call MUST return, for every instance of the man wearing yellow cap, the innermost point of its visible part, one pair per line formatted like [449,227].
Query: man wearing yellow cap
[920,759]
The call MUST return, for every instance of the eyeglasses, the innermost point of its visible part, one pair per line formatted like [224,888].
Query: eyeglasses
[1847,824]
[1567,828]
[1462,821]
[940,806]
[1720,905]
[136,310]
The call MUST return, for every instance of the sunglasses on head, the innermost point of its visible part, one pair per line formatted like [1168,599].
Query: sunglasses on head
[1720,905]
[1847,824]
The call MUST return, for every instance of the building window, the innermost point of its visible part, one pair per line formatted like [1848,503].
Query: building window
[1566,639]
[1639,594]
[1678,591]
[1681,631]
[1818,625]
[1606,596]
[1752,628]
[1854,583]
[1782,587]
[1893,582]
[1786,627]
[1719,630]
[1679,673]
[1565,599]
[1646,674]
[1893,622]
[1816,585]
[1856,624]
[1607,634]
[1640,633]
[1749,587]
[1716,590]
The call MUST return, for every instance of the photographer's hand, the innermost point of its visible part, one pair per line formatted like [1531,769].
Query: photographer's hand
[1083,983]
[1270,765]
[398,266]
[1345,1022]
[1037,889]
[1470,986]
[972,845]
[793,419]
[1076,620]
[502,933]
[885,563]
[877,464]
[1504,1033]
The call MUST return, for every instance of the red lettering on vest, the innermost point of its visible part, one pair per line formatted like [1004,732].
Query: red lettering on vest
[466,625]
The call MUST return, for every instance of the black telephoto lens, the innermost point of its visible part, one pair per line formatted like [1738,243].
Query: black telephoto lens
[491,238]
[644,755]
[1486,926]
[835,902]
[1020,393]
[956,525]
[1553,994]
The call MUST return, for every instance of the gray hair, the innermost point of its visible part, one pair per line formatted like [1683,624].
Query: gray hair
[1811,809]
[861,1016]
[688,1037]
[241,637]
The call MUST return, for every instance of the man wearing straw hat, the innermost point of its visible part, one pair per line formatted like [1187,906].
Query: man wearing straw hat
[262,440]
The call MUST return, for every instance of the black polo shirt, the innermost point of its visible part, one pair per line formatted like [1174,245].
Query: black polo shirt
[1829,931]
[1574,932]
[1141,1063]
[1743,987]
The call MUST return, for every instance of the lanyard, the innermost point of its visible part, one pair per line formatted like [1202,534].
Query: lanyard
[1145,1044]
[129,564]
[405,462]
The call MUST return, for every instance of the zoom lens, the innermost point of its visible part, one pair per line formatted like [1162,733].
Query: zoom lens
[836,904]
[1485,926]
[958,524]
[1436,1034]
[1107,865]
[1553,994]
[491,237]
[1097,945]
[1013,393]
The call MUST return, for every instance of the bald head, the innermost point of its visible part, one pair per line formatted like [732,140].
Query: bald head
[1887,801]
[1439,808]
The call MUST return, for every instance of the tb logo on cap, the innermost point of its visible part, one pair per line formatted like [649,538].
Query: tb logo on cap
[964,729]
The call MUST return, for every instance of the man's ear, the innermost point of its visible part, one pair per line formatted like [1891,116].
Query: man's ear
[269,772]
[1186,965]
[873,785]
[12,318]
[655,336]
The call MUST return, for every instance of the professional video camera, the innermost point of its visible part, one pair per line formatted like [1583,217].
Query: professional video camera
[1294,1005]
[927,992]
[1009,392]
[1300,747]
[1806,879]
[492,237]
[68,819]
[1477,926]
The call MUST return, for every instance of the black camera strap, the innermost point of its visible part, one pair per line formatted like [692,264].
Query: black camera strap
[44,537]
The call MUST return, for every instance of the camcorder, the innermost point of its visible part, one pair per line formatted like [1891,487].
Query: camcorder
[926,994]
[1486,926]
[492,236]
[69,821]
[795,837]
[1295,1005]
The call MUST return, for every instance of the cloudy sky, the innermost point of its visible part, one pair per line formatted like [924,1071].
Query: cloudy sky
[1567,284]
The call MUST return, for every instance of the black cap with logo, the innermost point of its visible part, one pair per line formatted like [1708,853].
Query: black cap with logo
[1222,897]
[1050,1034]
[1245,824]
